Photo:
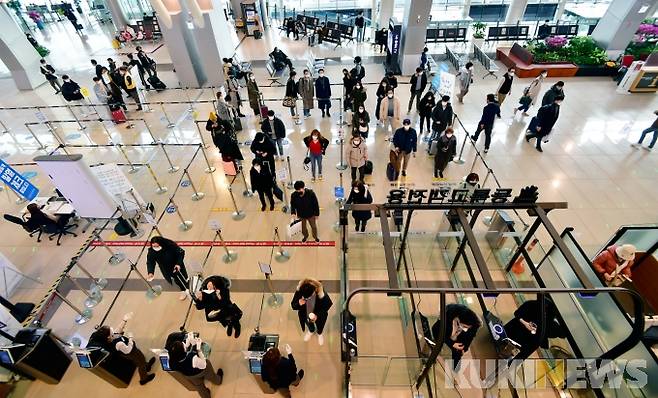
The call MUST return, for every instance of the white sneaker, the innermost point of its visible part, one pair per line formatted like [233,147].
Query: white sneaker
[182,296]
[320,339]
[636,145]
[307,336]
[646,148]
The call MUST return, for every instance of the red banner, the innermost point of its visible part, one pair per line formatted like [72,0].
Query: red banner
[201,243]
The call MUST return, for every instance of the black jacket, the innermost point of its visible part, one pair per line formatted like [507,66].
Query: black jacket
[322,305]
[170,255]
[322,88]
[358,98]
[445,151]
[414,80]
[304,206]
[426,106]
[48,71]
[267,146]
[381,91]
[357,199]
[286,373]
[392,81]
[262,181]
[71,91]
[442,117]
[348,84]
[323,142]
[99,71]
[455,311]
[546,118]
[224,139]
[549,96]
[279,127]
[530,312]
[406,140]
[292,89]
[489,113]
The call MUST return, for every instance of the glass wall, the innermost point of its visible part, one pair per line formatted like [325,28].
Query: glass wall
[135,9]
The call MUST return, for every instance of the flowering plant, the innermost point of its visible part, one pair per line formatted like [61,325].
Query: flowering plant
[556,41]
[644,41]
[647,29]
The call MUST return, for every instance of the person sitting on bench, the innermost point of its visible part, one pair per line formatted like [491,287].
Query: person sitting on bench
[280,59]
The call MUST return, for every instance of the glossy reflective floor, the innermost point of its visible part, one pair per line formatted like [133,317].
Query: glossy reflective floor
[587,163]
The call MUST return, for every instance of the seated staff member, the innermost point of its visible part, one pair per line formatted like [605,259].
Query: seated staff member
[39,216]
[462,325]
[280,372]
[312,305]
[188,359]
[215,299]
[115,342]
[169,257]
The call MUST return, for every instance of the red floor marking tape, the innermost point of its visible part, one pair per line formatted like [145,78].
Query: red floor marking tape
[200,243]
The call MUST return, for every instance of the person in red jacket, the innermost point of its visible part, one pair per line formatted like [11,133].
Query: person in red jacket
[613,261]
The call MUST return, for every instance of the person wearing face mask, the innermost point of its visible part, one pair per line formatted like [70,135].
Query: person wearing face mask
[253,92]
[317,147]
[490,112]
[405,142]
[356,154]
[262,182]
[465,78]
[116,101]
[292,91]
[323,93]
[359,96]
[389,111]
[188,359]
[215,299]
[425,108]
[102,93]
[223,136]
[470,184]
[348,86]
[71,91]
[263,148]
[169,257]
[554,91]
[462,325]
[382,89]
[304,205]
[312,304]
[224,109]
[446,149]
[531,93]
[361,122]
[391,80]
[505,87]
[417,85]
[233,96]
[276,130]
[542,125]
[360,195]
[307,92]
[442,116]
[359,71]
[523,327]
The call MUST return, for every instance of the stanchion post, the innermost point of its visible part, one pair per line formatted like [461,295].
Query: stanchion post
[116,258]
[247,191]
[286,206]
[92,300]
[275,300]
[189,101]
[185,225]
[341,165]
[229,255]
[237,214]
[107,132]
[203,141]
[210,168]
[148,128]
[52,131]
[161,189]
[83,316]
[197,195]
[169,122]
[281,255]
[133,169]
[290,183]
[4,127]
[81,127]
[100,282]
[41,146]
[152,291]
[172,169]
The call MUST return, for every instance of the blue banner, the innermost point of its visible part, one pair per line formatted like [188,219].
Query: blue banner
[17,182]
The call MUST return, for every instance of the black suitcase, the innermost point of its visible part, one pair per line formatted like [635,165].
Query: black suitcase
[367,168]
[156,83]
[237,123]
[391,173]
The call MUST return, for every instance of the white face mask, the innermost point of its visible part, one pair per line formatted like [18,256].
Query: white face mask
[315,138]
[406,127]
[356,141]
[156,248]
[511,73]
[390,96]
[208,291]
[306,75]
[361,110]
[271,118]
[356,191]
[444,103]
[321,74]
[257,168]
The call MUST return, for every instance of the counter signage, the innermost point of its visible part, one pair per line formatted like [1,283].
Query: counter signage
[460,195]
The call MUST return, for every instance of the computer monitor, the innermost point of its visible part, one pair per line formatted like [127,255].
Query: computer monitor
[84,360]
[164,362]
[6,355]
[255,366]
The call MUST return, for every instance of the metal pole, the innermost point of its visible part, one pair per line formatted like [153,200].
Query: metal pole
[459,159]
[41,146]
[19,199]
[185,224]
[237,214]
[247,192]
[90,301]
[229,255]
[133,169]
[169,123]
[161,189]
[83,316]
[172,168]
[107,132]
[76,118]
[286,206]
[341,165]
[148,128]
[152,291]
[475,159]
[282,255]
[203,142]
[210,168]
[290,183]
[197,195]
[57,137]
[4,127]
[100,282]
[115,258]
[189,101]
[275,300]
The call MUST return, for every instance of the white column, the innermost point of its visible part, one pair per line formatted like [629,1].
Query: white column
[560,9]
[385,12]
[619,23]
[17,53]
[118,17]
[414,31]
[467,9]
[515,11]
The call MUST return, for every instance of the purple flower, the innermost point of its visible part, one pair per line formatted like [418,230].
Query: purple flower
[556,41]
[648,29]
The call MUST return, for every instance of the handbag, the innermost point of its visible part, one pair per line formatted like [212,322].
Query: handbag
[307,160]
[294,228]
[289,102]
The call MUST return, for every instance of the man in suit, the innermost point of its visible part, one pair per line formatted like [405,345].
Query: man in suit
[417,85]
[541,125]
[462,325]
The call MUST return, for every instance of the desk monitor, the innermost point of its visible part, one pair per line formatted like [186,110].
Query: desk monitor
[255,366]
[8,354]
[164,362]
[84,360]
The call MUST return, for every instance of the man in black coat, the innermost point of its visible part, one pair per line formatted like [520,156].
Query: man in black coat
[264,150]
[98,69]
[304,205]
[462,325]
[323,93]
[274,128]
[71,93]
[523,329]
[442,115]
[490,112]
[552,93]
[169,257]
[541,125]
[417,85]
[312,304]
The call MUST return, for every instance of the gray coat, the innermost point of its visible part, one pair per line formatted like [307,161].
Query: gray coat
[224,111]
[307,92]
[233,88]
[464,79]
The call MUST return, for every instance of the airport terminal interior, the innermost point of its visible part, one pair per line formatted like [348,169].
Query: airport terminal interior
[484,186]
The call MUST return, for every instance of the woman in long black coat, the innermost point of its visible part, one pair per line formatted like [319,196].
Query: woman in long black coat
[425,110]
[523,328]
[224,138]
[360,195]
[170,259]
[446,149]
[262,182]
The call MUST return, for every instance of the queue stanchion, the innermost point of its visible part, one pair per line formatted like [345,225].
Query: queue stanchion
[210,168]
[459,159]
[116,258]
[172,169]
[247,191]
[80,126]
[286,205]
[101,283]
[197,195]
[141,92]
[229,255]
[486,220]
[133,169]
[41,146]
[237,214]
[148,128]
[341,165]
[107,132]
[185,225]
[189,101]
[160,188]
[152,291]
[281,255]
[83,316]
[290,182]
[170,124]
[93,297]
[203,141]
[57,137]
[340,201]
[4,127]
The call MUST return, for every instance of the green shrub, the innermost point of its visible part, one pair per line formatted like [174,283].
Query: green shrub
[581,50]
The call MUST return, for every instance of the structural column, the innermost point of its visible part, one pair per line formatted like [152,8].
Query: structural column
[619,23]
[118,17]
[385,13]
[20,57]
[560,9]
[414,32]
[515,11]
[467,9]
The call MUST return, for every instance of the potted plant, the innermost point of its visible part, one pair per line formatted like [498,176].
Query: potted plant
[478,33]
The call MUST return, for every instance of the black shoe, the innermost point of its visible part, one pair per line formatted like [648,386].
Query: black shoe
[404,173]
[139,109]
[146,86]
[300,374]
[527,138]
[262,208]
[322,113]
[440,174]
[149,364]
[328,114]
[435,175]
[147,379]
[317,240]
[57,91]
[220,373]
[539,149]
[237,330]
[304,240]
[272,207]
[474,138]
[356,228]
[229,329]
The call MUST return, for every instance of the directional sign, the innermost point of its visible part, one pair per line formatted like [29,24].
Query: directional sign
[339,192]
[17,182]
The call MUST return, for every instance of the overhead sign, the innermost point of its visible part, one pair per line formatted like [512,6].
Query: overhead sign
[17,182]
[460,195]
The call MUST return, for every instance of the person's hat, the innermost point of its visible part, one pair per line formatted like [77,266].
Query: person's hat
[626,252]
[406,122]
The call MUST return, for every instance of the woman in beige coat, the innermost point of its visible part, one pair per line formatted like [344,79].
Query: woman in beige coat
[356,155]
[389,111]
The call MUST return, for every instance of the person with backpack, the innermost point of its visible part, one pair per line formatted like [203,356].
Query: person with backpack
[425,109]
[490,112]
[356,154]
[170,259]
[446,149]
[262,182]
[317,147]
[304,205]
[48,72]
[275,130]
[148,64]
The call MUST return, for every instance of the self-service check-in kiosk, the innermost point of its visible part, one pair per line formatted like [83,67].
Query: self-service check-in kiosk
[36,354]
[113,368]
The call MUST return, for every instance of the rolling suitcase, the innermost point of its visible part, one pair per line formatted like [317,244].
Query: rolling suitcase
[367,168]
[156,83]
[118,116]
[391,173]
[229,168]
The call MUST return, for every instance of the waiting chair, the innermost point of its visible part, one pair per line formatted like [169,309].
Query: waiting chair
[59,228]
[26,224]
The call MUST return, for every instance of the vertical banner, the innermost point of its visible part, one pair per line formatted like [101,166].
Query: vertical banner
[446,84]
[17,182]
